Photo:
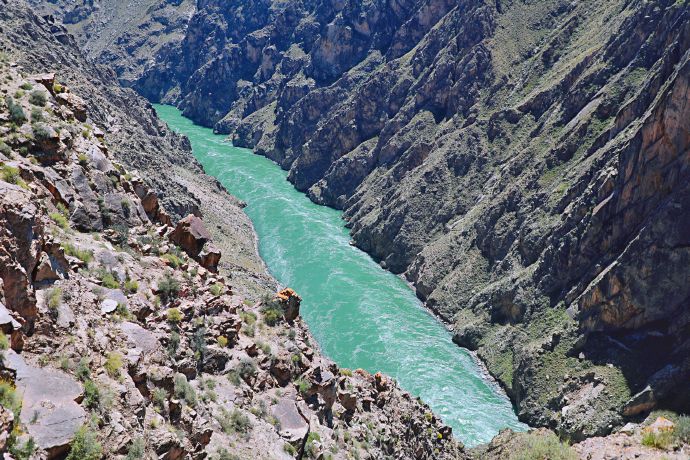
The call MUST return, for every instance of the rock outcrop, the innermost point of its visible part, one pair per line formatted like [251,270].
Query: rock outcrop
[192,236]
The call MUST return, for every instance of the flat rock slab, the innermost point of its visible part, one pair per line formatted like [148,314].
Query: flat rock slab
[108,306]
[140,338]
[49,411]
[293,427]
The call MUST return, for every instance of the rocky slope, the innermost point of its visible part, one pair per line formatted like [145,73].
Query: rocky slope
[118,337]
[524,164]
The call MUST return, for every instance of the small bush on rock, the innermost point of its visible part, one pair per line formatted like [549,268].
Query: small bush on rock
[84,255]
[136,450]
[113,363]
[217,289]
[169,287]
[682,429]
[54,298]
[17,115]
[183,390]
[38,98]
[85,445]
[234,422]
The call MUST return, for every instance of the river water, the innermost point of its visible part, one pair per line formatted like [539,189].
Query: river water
[361,315]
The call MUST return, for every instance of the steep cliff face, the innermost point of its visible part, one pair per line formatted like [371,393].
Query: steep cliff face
[524,164]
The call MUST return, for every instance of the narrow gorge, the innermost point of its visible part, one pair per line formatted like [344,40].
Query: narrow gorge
[481,249]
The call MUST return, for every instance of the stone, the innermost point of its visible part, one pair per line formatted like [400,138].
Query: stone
[50,412]
[108,306]
[290,302]
[293,426]
[193,237]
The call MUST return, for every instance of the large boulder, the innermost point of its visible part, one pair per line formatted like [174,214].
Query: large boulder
[192,235]
[290,302]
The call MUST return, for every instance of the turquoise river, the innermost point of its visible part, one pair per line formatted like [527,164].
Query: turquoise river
[361,315]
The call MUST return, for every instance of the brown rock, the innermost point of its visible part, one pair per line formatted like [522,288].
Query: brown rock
[291,302]
[75,103]
[192,236]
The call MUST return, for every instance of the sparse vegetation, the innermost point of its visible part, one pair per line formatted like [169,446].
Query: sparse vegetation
[17,115]
[60,220]
[131,286]
[9,399]
[84,255]
[174,315]
[217,289]
[92,395]
[113,364]
[136,450]
[682,429]
[158,397]
[657,440]
[82,371]
[108,279]
[535,446]
[222,341]
[183,390]
[173,260]
[85,445]
[11,175]
[272,311]
[38,98]
[234,422]
[302,385]
[54,298]
[168,287]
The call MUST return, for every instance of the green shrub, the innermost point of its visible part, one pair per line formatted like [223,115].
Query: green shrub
[11,175]
[9,399]
[289,449]
[309,447]
[248,317]
[534,446]
[40,131]
[113,363]
[24,451]
[58,88]
[85,445]
[19,94]
[92,394]
[4,342]
[5,149]
[38,98]
[60,220]
[169,287]
[17,115]
[346,372]
[54,298]
[234,422]
[108,279]
[36,115]
[136,450]
[158,397]
[174,344]
[217,289]
[131,286]
[682,429]
[173,260]
[273,313]
[661,440]
[26,86]
[82,371]
[222,341]
[174,315]
[84,255]
[183,390]
[246,368]
[302,385]
[83,160]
